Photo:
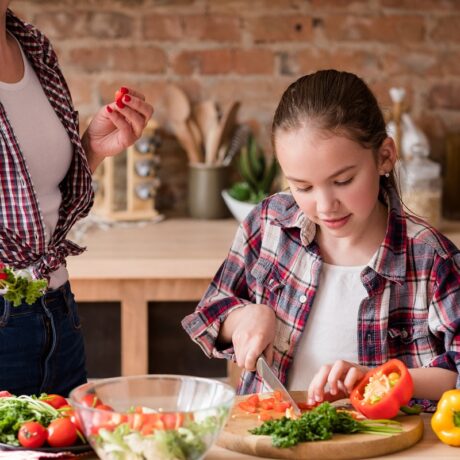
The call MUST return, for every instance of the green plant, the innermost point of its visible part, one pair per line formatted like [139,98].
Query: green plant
[257,173]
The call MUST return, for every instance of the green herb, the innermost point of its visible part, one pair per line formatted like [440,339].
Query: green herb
[16,410]
[320,424]
[19,287]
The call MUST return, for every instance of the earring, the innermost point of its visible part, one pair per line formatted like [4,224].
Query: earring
[387,175]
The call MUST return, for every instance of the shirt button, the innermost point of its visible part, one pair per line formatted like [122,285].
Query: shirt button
[271,281]
[36,236]
[303,298]
[404,334]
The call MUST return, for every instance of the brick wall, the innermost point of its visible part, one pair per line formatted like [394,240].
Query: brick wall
[252,49]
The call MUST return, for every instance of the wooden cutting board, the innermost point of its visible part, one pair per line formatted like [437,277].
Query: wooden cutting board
[235,436]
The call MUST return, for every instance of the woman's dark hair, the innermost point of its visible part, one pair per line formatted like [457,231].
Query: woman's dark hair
[335,101]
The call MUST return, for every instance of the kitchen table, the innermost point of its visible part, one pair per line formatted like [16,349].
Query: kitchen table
[428,448]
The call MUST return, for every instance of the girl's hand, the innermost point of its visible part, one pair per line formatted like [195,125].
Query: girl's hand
[115,127]
[342,376]
[253,335]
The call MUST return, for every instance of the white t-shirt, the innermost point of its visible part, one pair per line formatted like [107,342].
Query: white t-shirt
[331,330]
[44,143]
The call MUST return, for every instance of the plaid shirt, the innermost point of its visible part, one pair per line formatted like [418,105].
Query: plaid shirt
[22,231]
[412,311]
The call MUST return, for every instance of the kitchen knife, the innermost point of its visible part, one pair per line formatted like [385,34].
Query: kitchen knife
[264,370]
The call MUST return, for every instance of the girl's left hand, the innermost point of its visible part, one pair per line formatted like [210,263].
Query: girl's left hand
[115,127]
[341,376]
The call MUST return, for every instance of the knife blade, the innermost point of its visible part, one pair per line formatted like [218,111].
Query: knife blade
[269,377]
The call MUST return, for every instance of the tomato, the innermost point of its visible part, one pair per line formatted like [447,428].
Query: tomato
[247,407]
[5,394]
[267,403]
[55,401]
[90,400]
[104,407]
[32,435]
[120,93]
[62,433]
[281,406]
[265,416]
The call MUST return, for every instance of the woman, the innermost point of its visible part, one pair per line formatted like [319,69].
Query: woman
[45,178]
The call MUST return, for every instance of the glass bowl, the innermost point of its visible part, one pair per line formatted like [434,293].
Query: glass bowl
[152,416]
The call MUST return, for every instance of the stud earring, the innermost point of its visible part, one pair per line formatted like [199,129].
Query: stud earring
[387,175]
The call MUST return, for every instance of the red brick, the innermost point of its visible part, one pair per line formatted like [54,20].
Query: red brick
[280,28]
[191,27]
[384,29]
[73,24]
[445,96]
[223,61]
[363,63]
[162,27]
[420,5]
[144,59]
[447,29]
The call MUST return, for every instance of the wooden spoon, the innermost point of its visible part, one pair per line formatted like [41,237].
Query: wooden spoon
[226,129]
[205,113]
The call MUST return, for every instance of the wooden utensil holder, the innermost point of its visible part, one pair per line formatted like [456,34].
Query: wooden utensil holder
[126,184]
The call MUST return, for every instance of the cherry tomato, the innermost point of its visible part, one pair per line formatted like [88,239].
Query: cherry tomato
[62,433]
[90,400]
[104,407]
[32,435]
[55,401]
[4,393]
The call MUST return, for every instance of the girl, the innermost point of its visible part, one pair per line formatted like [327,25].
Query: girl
[45,178]
[334,278]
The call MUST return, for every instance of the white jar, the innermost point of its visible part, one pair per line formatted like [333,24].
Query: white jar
[421,187]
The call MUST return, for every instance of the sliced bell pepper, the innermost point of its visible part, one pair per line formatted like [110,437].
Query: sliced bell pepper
[383,390]
[446,420]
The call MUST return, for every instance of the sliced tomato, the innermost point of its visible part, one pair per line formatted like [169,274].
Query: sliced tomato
[267,403]
[254,400]
[265,416]
[247,407]
[305,406]
[90,400]
[281,406]
[5,394]
[277,395]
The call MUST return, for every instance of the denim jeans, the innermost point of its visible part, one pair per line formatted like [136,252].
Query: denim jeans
[41,345]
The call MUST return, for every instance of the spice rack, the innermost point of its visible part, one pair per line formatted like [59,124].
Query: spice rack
[126,185]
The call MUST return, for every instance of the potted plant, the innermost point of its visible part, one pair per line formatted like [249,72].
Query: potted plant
[258,175]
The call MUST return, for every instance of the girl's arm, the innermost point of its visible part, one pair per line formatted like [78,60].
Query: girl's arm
[432,382]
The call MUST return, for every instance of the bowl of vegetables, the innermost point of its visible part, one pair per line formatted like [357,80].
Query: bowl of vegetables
[152,416]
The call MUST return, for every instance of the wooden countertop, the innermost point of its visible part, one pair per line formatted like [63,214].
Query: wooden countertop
[171,249]
[428,448]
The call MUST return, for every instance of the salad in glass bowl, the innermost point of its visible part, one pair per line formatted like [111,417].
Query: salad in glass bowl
[162,417]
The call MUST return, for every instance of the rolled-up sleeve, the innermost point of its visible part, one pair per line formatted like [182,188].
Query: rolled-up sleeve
[230,289]
[444,314]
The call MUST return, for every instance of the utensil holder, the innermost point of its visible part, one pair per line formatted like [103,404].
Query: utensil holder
[205,184]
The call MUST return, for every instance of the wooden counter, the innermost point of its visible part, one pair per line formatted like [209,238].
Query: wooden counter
[173,260]
[429,448]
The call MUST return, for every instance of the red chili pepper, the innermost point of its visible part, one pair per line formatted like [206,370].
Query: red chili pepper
[383,404]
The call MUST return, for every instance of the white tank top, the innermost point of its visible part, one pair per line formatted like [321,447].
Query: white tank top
[44,143]
[331,332]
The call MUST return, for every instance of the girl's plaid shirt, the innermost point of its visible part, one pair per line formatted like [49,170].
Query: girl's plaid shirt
[22,235]
[412,311]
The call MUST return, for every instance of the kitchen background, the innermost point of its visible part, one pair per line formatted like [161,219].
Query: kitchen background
[249,51]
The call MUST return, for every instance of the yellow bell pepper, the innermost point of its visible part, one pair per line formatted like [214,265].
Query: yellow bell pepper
[446,420]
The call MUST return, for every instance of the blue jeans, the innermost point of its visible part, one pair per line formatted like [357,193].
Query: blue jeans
[41,345]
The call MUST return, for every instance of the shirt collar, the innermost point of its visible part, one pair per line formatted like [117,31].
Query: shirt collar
[389,260]
[30,39]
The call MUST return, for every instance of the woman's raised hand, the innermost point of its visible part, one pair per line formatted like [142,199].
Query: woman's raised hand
[116,126]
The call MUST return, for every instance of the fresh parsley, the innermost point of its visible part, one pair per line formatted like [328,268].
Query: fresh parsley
[320,424]
[19,286]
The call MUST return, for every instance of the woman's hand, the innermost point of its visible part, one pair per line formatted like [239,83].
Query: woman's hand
[342,376]
[115,127]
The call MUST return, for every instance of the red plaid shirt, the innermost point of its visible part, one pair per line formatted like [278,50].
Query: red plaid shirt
[22,232]
[412,311]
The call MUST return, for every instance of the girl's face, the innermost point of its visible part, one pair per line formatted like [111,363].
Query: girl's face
[334,180]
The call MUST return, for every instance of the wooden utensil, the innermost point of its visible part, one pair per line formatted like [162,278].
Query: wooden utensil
[205,113]
[178,111]
[227,127]
[235,436]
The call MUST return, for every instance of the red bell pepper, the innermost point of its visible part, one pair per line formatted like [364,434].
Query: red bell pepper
[383,390]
